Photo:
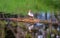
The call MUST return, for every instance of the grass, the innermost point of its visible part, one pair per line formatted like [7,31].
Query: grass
[21,6]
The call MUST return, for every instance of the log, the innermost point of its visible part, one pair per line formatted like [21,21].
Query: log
[28,20]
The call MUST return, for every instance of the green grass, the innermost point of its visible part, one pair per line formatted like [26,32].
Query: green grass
[22,6]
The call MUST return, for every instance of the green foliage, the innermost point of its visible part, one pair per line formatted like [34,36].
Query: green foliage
[22,6]
[55,4]
[2,24]
[28,36]
[48,35]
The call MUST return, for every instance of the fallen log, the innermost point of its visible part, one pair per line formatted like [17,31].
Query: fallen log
[28,20]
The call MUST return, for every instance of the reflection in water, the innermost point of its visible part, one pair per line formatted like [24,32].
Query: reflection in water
[42,29]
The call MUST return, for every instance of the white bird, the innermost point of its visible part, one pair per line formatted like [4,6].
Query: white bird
[30,14]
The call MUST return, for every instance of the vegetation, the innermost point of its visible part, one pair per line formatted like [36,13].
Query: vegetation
[22,6]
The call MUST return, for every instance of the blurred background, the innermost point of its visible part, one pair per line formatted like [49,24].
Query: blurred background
[29,18]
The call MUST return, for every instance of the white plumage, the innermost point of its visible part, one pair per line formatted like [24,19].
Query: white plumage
[30,14]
